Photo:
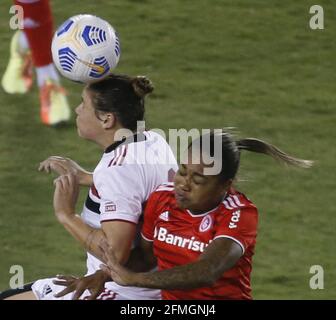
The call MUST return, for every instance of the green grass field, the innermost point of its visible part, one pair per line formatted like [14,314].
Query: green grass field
[255,65]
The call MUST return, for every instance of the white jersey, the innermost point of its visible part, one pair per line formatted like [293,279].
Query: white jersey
[126,175]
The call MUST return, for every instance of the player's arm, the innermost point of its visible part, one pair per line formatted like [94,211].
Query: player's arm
[118,234]
[62,166]
[221,255]
[142,257]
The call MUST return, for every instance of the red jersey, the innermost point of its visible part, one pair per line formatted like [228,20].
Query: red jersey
[179,237]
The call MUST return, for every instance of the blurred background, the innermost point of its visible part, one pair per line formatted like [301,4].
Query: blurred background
[254,65]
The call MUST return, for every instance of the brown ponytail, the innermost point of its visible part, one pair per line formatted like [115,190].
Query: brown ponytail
[231,149]
[259,146]
[142,86]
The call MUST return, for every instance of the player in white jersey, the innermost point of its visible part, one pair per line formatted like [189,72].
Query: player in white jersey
[133,165]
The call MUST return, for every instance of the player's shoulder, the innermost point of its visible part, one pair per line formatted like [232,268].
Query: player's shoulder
[236,200]
[162,196]
[164,190]
[152,135]
[144,143]
[155,139]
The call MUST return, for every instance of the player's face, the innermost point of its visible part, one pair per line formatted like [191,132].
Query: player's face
[88,125]
[195,191]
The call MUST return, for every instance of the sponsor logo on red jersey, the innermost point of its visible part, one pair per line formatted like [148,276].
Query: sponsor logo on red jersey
[163,235]
[234,219]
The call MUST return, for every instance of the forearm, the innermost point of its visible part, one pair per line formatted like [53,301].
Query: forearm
[221,255]
[103,276]
[194,275]
[90,238]
[86,178]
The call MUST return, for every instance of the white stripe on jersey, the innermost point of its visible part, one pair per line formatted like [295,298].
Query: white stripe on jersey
[90,217]
[121,150]
[122,156]
[236,199]
[146,238]
[168,184]
[232,204]
[232,238]
[226,204]
[112,161]
[163,188]
[116,157]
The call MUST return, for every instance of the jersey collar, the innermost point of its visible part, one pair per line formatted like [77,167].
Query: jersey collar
[206,213]
[137,137]
[201,214]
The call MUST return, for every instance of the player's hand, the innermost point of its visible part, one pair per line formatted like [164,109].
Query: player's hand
[115,270]
[65,196]
[94,283]
[62,166]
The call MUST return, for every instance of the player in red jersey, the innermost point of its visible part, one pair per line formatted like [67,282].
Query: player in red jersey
[32,47]
[201,230]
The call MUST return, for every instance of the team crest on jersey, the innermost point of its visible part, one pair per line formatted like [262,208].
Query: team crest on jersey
[164,216]
[110,206]
[205,224]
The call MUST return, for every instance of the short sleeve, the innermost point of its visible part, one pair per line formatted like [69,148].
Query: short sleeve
[239,225]
[122,193]
[150,216]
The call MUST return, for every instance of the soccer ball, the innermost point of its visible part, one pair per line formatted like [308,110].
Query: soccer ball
[85,48]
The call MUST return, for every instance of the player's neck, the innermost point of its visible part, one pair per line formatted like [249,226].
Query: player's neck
[209,209]
[114,135]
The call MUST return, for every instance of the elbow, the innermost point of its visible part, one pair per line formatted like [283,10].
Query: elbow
[210,279]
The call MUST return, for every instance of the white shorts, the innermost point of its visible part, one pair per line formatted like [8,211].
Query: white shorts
[45,289]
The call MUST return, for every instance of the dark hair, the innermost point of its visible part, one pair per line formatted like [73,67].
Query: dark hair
[231,149]
[122,95]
